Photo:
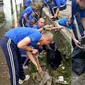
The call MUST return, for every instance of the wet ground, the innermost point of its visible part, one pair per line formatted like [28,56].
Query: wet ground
[4,75]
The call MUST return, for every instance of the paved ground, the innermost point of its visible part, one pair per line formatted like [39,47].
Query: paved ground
[4,75]
[78,80]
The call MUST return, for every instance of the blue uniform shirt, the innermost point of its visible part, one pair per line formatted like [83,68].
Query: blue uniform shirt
[36,27]
[58,3]
[28,2]
[63,21]
[19,33]
[28,10]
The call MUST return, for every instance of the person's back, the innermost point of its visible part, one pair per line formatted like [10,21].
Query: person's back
[28,10]
[17,34]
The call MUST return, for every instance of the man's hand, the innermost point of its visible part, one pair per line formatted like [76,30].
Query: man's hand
[77,43]
[55,15]
[34,51]
[41,72]
[56,28]
[68,22]
[33,14]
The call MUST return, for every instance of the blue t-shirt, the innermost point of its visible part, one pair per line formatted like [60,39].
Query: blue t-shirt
[63,23]
[58,3]
[27,11]
[28,2]
[36,27]
[19,33]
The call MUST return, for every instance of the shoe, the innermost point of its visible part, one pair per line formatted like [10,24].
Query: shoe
[21,81]
[25,67]
[26,78]
[54,19]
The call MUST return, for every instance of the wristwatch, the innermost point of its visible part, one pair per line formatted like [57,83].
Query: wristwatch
[43,28]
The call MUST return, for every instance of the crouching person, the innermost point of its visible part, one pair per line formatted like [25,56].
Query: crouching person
[22,38]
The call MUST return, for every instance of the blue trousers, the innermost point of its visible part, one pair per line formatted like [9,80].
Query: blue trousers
[53,8]
[22,22]
[13,59]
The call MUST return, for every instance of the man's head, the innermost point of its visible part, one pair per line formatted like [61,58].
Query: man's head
[46,39]
[35,6]
[81,3]
[33,22]
[41,22]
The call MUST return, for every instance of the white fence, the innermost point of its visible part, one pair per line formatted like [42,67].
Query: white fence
[11,9]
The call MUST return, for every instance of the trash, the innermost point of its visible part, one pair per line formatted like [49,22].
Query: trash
[60,80]
[63,67]
[54,57]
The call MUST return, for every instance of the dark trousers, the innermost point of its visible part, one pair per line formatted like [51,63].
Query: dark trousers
[13,59]
[43,5]
[22,22]
[53,8]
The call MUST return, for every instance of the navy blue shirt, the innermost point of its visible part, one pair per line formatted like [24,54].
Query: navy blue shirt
[27,11]
[76,8]
[19,33]
[82,13]
[58,3]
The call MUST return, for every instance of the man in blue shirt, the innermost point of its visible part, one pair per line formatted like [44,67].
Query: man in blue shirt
[66,22]
[27,15]
[56,6]
[32,23]
[77,34]
[26,39]
[77,6]
[27,3]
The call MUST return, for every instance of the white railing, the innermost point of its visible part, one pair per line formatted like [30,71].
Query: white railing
[11,9]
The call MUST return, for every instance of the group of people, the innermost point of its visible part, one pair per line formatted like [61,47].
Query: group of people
[24,39]
[31,33]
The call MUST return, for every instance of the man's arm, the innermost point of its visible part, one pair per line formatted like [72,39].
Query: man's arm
[25,17]
[57,13]
[31,57]
[77,43]
[23,44]
[68,20]
[83,21]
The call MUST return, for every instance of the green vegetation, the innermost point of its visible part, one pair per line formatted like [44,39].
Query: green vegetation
[1,17]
